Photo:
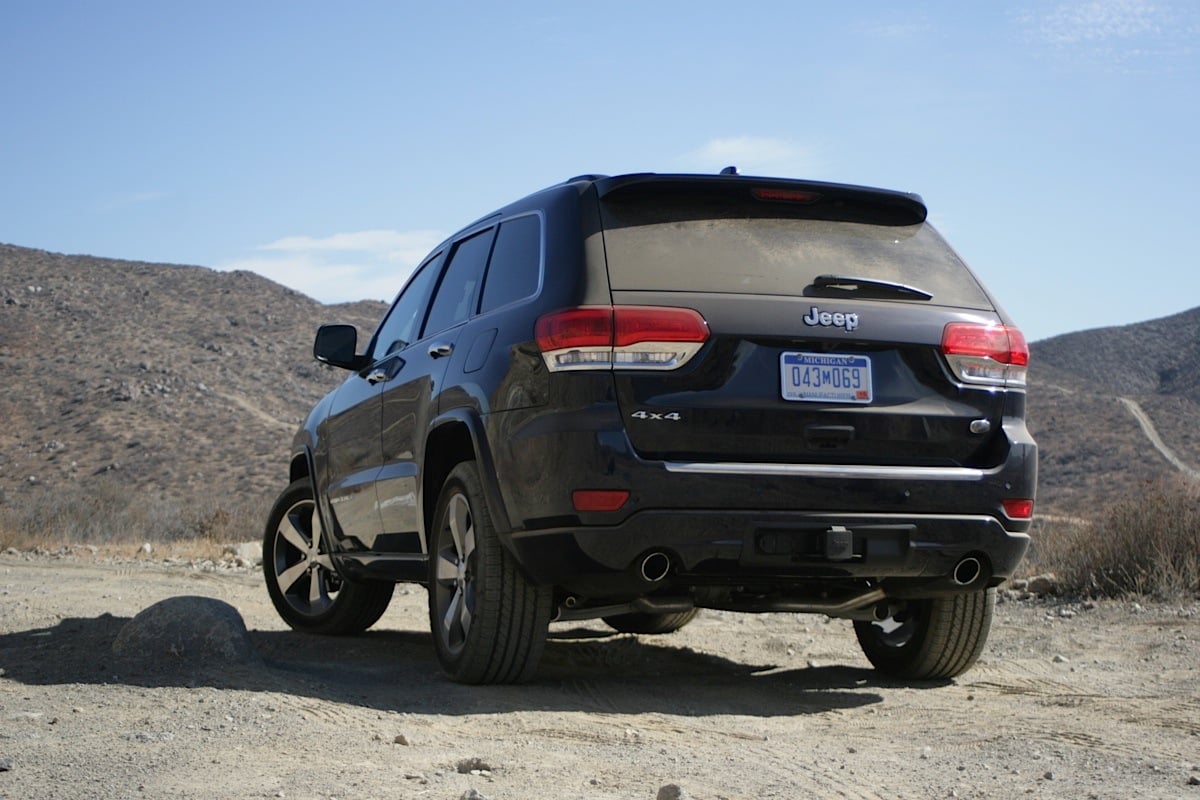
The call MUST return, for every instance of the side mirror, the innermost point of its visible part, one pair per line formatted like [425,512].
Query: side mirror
[336,345]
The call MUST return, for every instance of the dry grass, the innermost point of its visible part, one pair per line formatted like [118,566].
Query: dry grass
[1146,543]
[108,516]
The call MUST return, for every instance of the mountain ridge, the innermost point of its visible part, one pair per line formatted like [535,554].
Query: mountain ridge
[186,383]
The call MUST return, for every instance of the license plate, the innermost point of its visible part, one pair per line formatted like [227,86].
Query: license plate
[826,377]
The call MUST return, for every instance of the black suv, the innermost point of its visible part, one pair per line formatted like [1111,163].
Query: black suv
[633,397]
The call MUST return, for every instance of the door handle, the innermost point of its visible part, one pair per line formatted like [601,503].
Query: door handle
[440,350]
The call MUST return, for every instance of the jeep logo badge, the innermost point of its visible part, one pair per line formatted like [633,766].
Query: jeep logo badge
[836,319]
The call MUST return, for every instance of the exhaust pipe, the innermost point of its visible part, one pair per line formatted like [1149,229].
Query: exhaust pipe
[655,567]
[967,571]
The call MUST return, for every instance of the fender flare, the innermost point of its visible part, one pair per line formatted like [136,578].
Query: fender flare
[473,422]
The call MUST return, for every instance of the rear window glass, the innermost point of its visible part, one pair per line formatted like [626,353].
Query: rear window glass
[658,250]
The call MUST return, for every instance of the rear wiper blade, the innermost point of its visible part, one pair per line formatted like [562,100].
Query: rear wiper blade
[851,283]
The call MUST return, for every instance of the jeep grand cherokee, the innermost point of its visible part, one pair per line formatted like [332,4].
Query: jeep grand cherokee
[634,397]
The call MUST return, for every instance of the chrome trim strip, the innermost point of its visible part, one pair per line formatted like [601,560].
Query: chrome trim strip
[851,472]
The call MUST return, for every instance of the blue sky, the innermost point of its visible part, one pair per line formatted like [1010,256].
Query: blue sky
[329,146]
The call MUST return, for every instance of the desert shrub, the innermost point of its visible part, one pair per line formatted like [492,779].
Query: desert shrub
[1145,543]
[106,512]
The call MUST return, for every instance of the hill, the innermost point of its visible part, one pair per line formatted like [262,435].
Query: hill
[1099,398]
[178,382]
[182,384]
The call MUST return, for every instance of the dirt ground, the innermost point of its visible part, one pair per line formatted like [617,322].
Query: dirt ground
[1069,701]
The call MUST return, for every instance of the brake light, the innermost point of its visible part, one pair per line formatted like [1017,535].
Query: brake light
[785,195]
[628,337]
[995,355]
[1017,508]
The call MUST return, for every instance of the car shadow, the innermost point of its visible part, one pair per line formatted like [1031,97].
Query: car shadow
[390,670]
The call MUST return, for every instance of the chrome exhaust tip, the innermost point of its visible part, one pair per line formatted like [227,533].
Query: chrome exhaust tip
[655,567]
[967,571]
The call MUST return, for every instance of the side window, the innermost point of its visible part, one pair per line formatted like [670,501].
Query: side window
[455,297]
[516,263]
[400,327]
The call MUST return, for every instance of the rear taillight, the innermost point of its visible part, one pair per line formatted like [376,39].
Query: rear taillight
[622,337]
[995,355]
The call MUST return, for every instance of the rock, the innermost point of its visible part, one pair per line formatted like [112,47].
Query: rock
[672,791]
[468,765]
[189,631]
[471,794]
[249,551]
[1060,659]
[401,739]
[6,764]
[146,549]
[1043,584]
[1192,780]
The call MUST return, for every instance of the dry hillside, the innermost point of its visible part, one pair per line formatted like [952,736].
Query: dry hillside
[186,383]
[1086,390]
[180,382]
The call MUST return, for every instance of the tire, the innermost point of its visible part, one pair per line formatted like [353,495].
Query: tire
[489,623]
[640,622]
[932,639]
[305,587]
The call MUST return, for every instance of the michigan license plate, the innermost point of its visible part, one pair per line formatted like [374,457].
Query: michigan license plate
[826,377]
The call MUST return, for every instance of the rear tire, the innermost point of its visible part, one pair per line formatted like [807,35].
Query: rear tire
[642,622]
[931,639]
[489,623]
[305,588]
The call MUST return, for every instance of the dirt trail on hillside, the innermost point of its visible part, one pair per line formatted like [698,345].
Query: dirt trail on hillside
[1068,701]
[1147,426]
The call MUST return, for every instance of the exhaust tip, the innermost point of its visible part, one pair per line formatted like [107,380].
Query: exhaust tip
[967,571]
[655,567]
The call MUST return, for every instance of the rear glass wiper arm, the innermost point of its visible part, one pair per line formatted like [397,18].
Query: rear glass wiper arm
[851,283]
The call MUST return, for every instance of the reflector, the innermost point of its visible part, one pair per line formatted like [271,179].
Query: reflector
[599,499]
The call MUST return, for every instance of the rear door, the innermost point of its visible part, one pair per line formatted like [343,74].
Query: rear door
[411,391]
[826,309]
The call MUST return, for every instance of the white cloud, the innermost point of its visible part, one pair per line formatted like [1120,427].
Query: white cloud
[1098,21]
[343,267]
[752,155]
[124,200]
[1155,36]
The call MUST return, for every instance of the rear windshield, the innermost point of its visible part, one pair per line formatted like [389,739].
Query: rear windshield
[655,249]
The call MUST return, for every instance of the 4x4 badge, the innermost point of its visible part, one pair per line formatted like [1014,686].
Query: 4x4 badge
[674,416]
[835,319]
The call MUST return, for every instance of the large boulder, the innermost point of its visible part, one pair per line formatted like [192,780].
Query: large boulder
[186,631]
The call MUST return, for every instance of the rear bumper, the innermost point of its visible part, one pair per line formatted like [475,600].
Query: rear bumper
[784,551]
[767,525]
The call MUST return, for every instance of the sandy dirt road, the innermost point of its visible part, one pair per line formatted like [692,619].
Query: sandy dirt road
[1068,702]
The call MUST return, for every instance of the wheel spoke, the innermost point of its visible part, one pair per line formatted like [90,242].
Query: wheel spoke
[452,614]
[465,615]
[288,578]
[292,535]
[460,522]
[446,568]
[468,541]
[316,589]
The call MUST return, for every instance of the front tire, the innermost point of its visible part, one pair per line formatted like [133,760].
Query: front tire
[305,588]
[931,639]
[489,623]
